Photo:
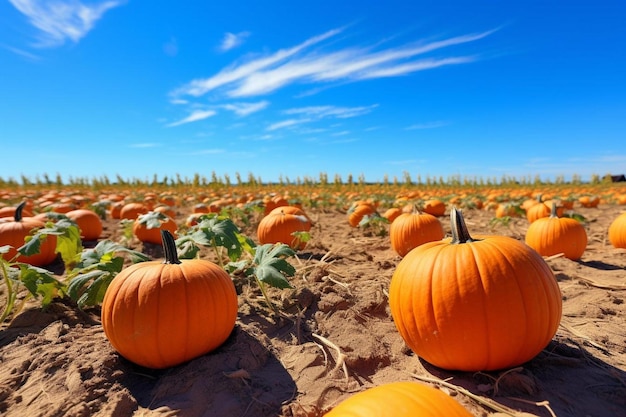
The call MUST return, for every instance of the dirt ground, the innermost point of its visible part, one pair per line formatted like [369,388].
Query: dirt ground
[335,337]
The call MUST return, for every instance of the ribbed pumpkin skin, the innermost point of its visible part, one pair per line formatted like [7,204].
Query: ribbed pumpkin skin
[399,399]
[409,230]
[13,232]
[88,222]
[617,231]
[475,306]
[358,211]
[552,235]
[277,227]
[159,315]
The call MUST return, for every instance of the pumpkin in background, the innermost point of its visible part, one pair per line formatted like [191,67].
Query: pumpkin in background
[589,201]
[410,230]
[617,231]
[161,314]
[147,227]
[115,209]
[553,235]
[280,225]
[392,213]
[435,207]
[131,211]
[399,399]
[88,222]
[358,211]
[475,304]
[14,230]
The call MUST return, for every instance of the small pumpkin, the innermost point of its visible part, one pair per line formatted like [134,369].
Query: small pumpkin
[88,222]
[280,225]
[617,231]
[409,230]
[161,314]
[435,207]
[399,399]
[131,211]
[14,231]
[553,235]
[358,211]
[475,304]
[147,227]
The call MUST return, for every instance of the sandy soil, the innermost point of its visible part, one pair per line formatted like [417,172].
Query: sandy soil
[334,338]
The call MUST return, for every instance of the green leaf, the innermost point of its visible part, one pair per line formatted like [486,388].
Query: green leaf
[187,247]
[271,267]
[152,219]
[40,282]
[32,245]
[215,230]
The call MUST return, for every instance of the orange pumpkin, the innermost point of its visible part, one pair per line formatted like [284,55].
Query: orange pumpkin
[475,304]
[399,399]
[435,207]
[161,314]
[358,211]
[88,222]
[392,213]
[279,227]
[14,231]
[410,230]
[617,231]
[147,227]
[552,235]
[131,211]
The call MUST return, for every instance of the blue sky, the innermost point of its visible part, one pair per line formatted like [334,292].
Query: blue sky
[294,89]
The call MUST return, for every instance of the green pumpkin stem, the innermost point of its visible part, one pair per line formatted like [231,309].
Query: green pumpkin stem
[460,234]
[169,248]
[18,211]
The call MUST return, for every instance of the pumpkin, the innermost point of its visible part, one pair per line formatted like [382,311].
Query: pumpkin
[552,235]
[617,231]
[88,222]
[14,231]
[358,211]
[399,399]
[279,227]
[131,211]
[392,213]
[410,230]
[161,314]
[147,227]
[435,207]
[475,304]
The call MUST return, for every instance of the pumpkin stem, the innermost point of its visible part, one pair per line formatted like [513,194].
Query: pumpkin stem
[169,248]
[460,234]
[18,211]
[553,210]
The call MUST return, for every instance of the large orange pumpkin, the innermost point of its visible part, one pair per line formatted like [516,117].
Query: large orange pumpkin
[280,225]
[399,399]
[475,304]
[88,222]
[410,230]
[161,314]
[617,231]
[14,231]
[552,235]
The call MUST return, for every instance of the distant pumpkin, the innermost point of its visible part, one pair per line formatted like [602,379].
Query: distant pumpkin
[281,226]
[553,235]
[88,222]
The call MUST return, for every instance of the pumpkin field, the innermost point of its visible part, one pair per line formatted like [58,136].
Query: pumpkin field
[208,298]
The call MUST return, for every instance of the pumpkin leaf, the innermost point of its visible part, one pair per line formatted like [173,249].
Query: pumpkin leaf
[96,269]
[187,247]
[152,219]
[40,282]
[270,265]
[215,230]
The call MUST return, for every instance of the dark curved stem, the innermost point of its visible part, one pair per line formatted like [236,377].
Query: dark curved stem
[169,248]
[460,234]
[18,211]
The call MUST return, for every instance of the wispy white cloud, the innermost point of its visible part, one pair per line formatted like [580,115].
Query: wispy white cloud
[287,123]
[21,52]
[300,64]
[244,109]
[315,113]
[195,116]
[429,125]
[233,40]
[62,20]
